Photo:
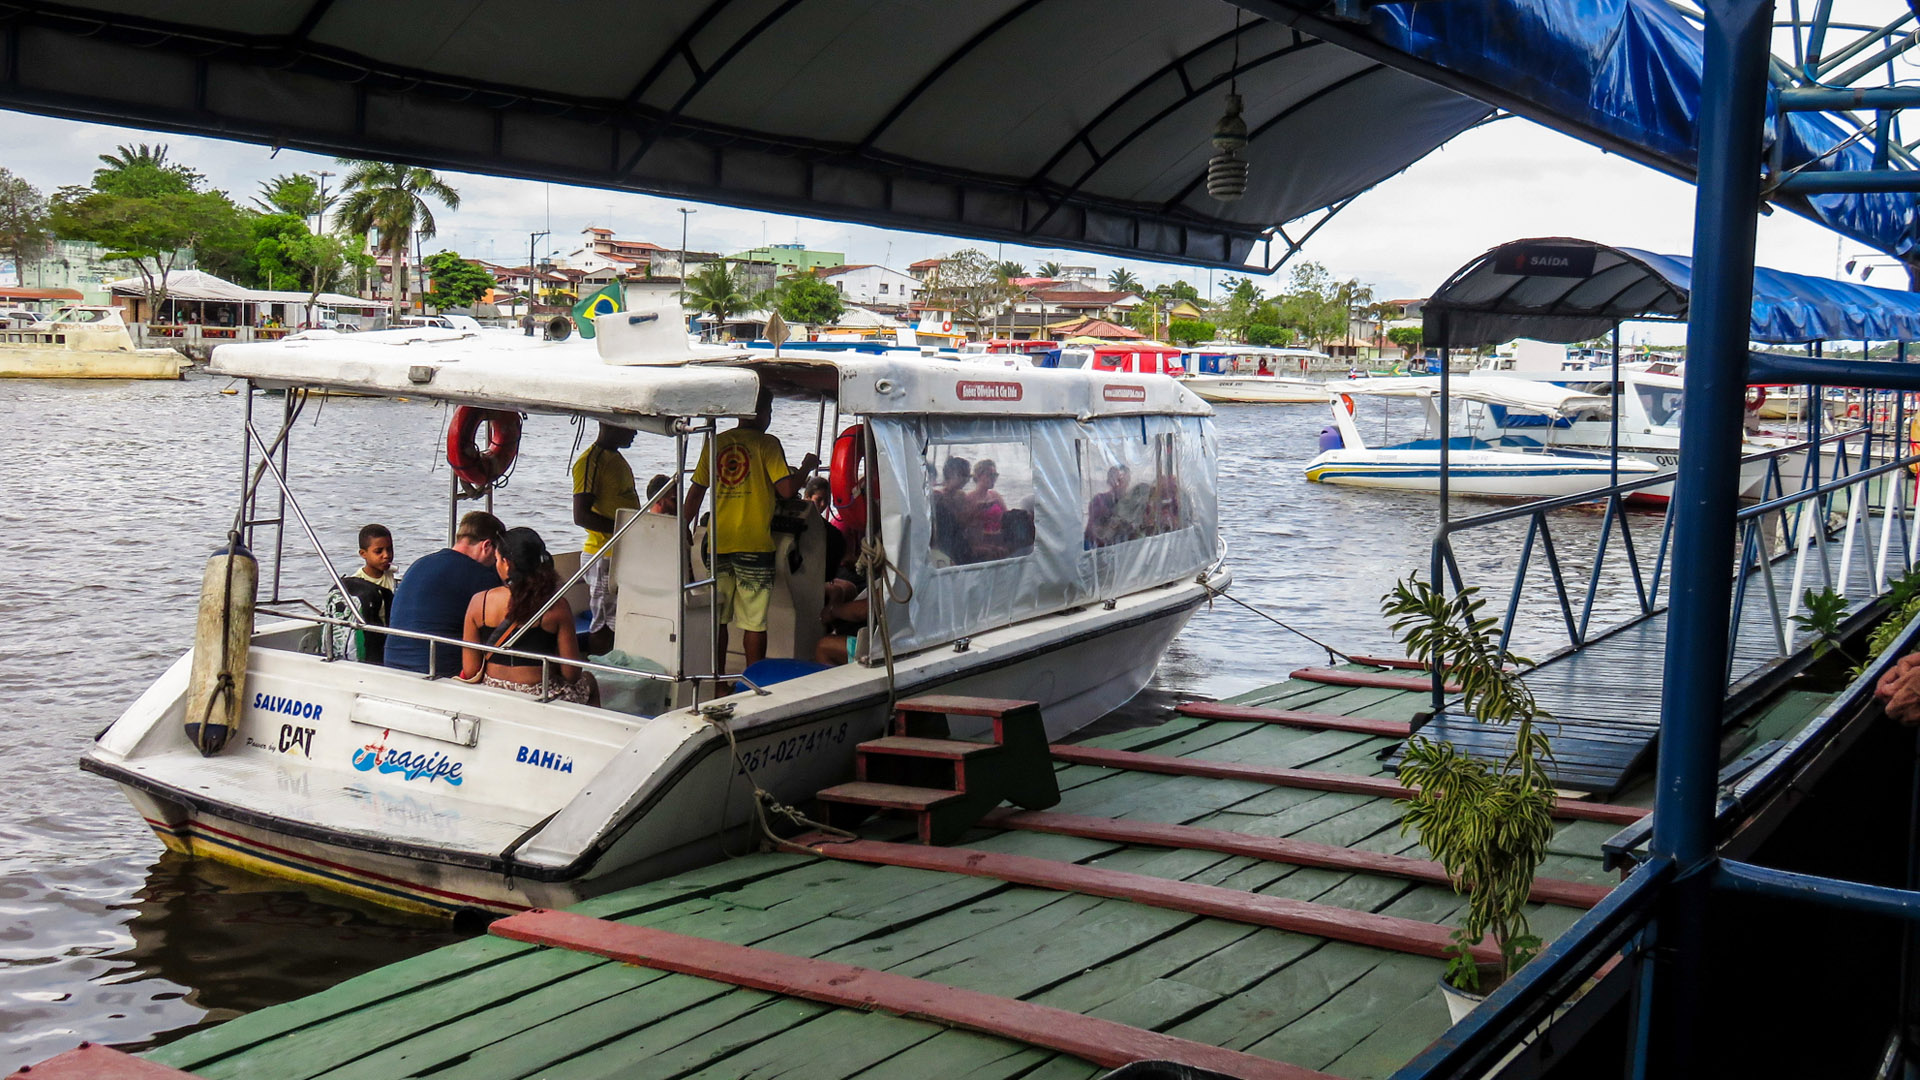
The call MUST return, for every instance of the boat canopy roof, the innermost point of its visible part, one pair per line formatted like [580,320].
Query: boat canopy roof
[1564,289]
[506,369]
[1519,395]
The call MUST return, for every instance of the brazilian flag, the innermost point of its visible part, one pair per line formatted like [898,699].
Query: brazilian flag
[609,299]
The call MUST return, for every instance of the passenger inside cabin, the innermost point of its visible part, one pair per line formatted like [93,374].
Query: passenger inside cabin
[820,493]
[1104,525]
[494,617]
[985,506]
[843,615]
[1264,370]
[747,470]
[370,589]
[602,487]
[952,512]
[661,496]
[433,596]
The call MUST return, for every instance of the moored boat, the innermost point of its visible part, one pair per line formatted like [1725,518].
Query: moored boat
[82,342]
[439,796]
[1246,374]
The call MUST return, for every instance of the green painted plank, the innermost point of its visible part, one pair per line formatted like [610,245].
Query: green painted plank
[315,1049]
[960,1055]
[1248,1017]
[1323,1034]
[195,1051]
[1398,1040]
[954,930]
[1049,945]
[839,1043]
[678,889]
[1192,944]
[433,1048]
[693,1039]
[1248,960]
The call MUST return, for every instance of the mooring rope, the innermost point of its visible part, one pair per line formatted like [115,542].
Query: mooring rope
[1333,655]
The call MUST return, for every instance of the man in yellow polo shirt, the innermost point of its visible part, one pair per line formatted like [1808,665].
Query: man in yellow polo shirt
[749,479]
[602,487]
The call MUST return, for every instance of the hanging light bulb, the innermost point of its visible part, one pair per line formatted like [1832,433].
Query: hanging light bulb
[1227,170]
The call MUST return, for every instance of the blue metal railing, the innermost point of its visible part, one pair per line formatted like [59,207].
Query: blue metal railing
[1797,490]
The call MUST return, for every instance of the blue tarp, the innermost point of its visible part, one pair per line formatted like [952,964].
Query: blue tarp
[1627,72]
[1575,290]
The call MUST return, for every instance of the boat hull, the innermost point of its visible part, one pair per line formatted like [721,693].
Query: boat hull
[30,362]
[696,803]
[1469,472]
[1256,390]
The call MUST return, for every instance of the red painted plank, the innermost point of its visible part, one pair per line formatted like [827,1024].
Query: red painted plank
[1216,710]
[963,705]
[92,1061]
[1374,679]
[1381,786]
[1271,849]
[1103,1042]
[1298,916]
[1399,663]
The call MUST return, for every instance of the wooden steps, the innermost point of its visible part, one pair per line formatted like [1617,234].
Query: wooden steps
[946,784]
[1256,909]
[1374,679]
[1214,710]
[1351,783]
[1272,849]
[1103,1042]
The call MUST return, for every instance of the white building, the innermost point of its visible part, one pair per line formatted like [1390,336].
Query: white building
[867,284]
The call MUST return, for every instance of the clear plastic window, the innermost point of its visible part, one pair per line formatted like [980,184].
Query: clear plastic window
[981,496]
[1134,489]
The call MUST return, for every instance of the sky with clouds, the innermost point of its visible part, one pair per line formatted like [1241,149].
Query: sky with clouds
[1498,182]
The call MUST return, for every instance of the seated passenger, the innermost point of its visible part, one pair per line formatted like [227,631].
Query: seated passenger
[820,493]
[1104,525]
[844,615]
[661,496]
[371,590]
[496,615]
[434,594]
[951,513]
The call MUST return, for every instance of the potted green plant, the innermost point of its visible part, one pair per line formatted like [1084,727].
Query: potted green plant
[1486,822]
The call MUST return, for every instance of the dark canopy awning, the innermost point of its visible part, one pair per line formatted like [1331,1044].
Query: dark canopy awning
[1563,289]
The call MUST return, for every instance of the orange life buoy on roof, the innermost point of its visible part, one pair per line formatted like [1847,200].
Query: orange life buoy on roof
[1853,411]
[477,464]
[946,326]
[843,477]
[1756,397]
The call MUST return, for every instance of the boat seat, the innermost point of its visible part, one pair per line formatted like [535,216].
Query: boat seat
[777,670]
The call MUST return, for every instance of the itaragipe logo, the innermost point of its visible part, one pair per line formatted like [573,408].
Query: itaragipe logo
[410,764]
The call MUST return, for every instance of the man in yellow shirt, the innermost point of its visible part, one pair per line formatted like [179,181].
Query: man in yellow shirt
[602,487]
[749,479]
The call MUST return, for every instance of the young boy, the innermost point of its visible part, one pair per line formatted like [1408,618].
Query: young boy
[371,588]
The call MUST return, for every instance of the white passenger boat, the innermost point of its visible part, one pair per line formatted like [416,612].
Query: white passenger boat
[443,797]
[1474,466]
[1250,375]
[82,341]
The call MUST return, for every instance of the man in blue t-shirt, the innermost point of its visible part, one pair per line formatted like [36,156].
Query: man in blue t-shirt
[433,596]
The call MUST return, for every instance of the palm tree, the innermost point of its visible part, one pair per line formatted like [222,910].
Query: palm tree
[1009,270]
[718,291]
[1122,280]
[391,199]
[126,158]
[1049,270]
[293,193]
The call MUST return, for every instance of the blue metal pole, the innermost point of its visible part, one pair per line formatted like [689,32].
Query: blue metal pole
[1705,500]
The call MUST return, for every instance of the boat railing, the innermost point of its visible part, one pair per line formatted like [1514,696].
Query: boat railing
[1811,526]
[317,617]
[290,505]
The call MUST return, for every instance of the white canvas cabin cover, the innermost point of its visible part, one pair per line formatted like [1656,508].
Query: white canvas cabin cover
[1520,395]
[1051,514]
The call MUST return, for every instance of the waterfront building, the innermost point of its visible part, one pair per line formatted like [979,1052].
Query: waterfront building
[76,266]
[788,259]
[865,283]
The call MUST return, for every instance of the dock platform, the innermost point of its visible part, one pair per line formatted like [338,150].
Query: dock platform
[1249,924]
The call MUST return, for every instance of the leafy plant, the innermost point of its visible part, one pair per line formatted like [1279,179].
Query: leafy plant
[1821,616]
[1903,603]
[1487,823]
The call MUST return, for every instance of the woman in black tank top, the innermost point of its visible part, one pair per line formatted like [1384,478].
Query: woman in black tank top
[493,616]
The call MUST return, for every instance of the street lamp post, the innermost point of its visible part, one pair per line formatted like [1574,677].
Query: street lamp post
[532,287]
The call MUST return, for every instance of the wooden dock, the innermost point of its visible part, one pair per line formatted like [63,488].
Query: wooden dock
[1231,921]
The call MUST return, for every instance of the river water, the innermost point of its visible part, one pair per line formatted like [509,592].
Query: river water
[112,495]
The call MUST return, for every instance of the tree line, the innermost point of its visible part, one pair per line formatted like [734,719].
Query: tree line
[145,209]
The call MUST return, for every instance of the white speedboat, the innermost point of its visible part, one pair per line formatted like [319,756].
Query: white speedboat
[1473,466]
[1250,375]
[434,795]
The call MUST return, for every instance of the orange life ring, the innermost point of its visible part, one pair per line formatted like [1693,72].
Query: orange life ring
[472,462]
[1756,397]
[1347,400]
[843,476]
[946,326]
[1853,411]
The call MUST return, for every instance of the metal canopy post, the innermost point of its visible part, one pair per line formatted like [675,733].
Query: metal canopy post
[1705,501]
[1613,414]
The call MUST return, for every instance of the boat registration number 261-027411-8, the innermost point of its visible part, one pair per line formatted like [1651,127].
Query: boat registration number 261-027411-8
[791,747]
